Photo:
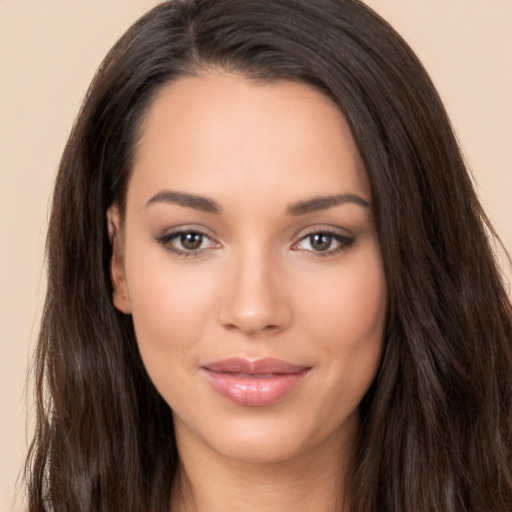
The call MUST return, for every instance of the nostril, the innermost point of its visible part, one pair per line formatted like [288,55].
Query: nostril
[252,330]
[252,302]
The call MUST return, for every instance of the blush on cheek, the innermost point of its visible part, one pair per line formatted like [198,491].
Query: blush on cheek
[168,310]
[356,302]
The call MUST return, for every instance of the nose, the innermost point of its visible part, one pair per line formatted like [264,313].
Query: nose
[254,300]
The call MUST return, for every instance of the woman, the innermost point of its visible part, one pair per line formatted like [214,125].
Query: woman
[270,286]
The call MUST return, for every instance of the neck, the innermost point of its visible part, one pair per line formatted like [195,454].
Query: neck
[210,482]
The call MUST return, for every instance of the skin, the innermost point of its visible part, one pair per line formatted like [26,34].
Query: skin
[258,286]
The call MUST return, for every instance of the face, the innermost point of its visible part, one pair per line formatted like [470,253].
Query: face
[249,260]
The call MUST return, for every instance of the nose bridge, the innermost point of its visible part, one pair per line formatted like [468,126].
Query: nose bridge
[254,296]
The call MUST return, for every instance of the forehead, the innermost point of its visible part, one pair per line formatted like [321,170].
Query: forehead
[222,132]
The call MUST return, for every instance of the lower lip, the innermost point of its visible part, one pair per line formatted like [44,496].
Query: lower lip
[252,390]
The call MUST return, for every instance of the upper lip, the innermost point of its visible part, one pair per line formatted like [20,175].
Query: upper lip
[264,366]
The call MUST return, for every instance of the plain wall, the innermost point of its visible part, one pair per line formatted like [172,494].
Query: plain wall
[49,50]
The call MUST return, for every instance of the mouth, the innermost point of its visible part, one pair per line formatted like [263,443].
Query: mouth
[254,383]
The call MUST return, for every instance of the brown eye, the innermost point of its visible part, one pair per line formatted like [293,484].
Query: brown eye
[187,243]
[323,243]
[191,241]
[320,241]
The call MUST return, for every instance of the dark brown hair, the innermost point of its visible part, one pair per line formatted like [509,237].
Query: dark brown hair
[436,431]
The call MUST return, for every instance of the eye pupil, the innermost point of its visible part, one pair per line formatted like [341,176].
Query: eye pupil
[320,241]
[191,241]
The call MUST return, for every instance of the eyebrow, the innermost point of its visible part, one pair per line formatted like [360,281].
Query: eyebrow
[316,204]
[204,204]
[187,200]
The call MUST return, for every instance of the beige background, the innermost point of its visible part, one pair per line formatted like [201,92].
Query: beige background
[49,50]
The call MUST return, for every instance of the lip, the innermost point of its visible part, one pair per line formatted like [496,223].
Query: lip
[254,383]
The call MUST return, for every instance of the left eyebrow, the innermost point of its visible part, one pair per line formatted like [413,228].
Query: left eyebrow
[316,204]
[186,200]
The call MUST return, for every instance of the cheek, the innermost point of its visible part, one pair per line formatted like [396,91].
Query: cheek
[349,324]
[170,308]
[350,306]
[362,303]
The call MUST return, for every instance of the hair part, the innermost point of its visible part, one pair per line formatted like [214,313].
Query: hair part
[436,430]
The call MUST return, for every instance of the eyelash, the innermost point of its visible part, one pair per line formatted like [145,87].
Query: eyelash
[344,242]
[167,239]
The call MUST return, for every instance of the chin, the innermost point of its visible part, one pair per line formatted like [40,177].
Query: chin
[269,438]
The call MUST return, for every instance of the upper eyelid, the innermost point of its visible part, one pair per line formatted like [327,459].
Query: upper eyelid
[178,230]
[328,229]
[334,235]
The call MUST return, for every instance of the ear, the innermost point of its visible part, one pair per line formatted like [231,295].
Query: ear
[120,296]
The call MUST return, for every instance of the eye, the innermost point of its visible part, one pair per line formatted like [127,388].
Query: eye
[191,241]
[323,242]
[187,242]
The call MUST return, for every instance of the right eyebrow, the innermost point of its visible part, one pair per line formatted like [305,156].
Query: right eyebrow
[316,204]
[187,200]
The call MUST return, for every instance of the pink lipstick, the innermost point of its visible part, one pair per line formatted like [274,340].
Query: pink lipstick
[254,383]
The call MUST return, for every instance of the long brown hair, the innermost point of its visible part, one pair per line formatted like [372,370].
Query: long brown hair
[436,424]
